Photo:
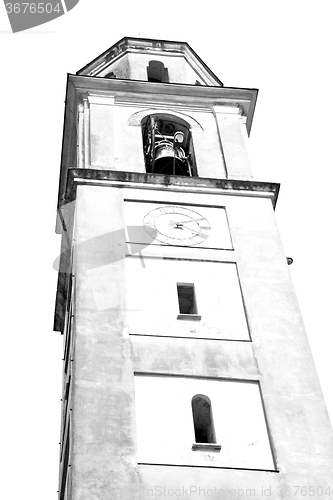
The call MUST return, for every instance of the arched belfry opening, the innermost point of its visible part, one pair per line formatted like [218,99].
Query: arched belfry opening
[203,419]
[156,72]
[167,145]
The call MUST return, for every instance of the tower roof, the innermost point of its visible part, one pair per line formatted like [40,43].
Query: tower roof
[105,62]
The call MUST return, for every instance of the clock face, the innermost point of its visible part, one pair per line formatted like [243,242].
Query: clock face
[176,225]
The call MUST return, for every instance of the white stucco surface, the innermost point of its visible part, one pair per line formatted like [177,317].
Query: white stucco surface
[165,430]
[152,293]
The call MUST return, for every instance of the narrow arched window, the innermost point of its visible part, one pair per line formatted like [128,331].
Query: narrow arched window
[156,72]
[203,419]
[168,145]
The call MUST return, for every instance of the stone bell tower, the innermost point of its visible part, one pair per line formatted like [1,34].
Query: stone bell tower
[187,371]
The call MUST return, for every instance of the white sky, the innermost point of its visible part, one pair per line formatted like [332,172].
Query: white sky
[284,48]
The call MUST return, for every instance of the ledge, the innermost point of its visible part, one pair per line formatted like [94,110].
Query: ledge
[170,182]
[189,317]
[212,447]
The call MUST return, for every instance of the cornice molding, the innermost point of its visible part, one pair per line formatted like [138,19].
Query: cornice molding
[235,187]
[155,48]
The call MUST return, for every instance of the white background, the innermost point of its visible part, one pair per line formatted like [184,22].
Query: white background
[283,47]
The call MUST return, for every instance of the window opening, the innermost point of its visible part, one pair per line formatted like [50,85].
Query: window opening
[110,75]
[186,298]
[168,146]
[68,343]
[68,384]
[156,72]
[203,419]
[188,309]
[65,415]
[65,466]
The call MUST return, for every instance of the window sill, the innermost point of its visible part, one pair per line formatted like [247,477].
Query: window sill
[213,447]
[189,317]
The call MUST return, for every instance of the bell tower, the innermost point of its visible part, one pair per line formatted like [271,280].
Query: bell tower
[187,372]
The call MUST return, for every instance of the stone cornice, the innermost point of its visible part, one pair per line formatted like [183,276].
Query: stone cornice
[169,182]
[153,47]
[135,91]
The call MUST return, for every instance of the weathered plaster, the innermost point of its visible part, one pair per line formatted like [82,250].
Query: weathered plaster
[266,347]
[106,357]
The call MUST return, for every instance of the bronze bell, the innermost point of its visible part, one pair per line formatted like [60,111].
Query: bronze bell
[169,160]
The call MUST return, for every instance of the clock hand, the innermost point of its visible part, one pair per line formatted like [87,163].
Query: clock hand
[174,224]
[184,225]
[181,226]
[190,220]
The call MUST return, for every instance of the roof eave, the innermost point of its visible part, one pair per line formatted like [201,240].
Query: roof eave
[123,46]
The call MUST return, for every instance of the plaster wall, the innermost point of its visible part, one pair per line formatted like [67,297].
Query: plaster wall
[128,141]
[233,139]
[106,356]
[101,129]
[179,69]
[152,293]
[120,68]
[163,411]
[208,147]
